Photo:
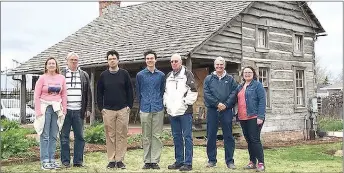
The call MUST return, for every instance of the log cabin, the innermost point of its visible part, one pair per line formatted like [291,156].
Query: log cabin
[276,38]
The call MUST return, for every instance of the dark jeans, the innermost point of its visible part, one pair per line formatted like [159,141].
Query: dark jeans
[251,133]
[73,120]
[181,127]
[225,117]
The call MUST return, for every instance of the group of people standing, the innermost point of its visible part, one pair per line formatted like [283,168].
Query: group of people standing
[63,101]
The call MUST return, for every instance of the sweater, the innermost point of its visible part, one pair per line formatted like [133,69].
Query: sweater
[50,88]
[114,90]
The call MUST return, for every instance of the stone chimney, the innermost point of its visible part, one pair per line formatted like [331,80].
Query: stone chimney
[105,4]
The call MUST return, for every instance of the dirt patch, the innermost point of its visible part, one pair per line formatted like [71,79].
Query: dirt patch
[330,152]
[240,144]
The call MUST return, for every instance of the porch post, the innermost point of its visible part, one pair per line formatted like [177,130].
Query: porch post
[92,118]
[23,99]
[189,63]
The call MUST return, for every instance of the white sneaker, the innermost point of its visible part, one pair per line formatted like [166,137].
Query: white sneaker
[56,165]
[47,166]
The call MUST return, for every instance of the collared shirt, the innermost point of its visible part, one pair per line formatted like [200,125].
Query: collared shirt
[150,88]
[223,74]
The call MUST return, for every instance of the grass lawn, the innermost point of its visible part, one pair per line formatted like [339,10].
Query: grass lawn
[330,124]
[311,158]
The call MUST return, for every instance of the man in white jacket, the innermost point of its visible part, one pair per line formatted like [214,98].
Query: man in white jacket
[180,94]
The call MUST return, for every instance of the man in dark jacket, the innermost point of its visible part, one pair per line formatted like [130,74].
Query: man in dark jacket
[78,107]
[219,98]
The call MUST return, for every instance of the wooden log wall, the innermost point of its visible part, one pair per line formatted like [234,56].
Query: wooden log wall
[282,20]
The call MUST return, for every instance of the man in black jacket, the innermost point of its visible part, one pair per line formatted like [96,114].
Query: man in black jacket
[78,107]
[115,99]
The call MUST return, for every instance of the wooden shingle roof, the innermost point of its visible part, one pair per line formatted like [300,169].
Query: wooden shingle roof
[166,27]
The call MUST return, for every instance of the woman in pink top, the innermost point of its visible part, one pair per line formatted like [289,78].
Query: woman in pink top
[251,114]
[50,88]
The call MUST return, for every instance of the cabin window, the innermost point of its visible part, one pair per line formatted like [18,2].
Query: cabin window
[262,38]
[298,45]
[300,88]
[264,79]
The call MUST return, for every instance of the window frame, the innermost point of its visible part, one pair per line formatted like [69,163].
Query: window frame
[298,52]
[300,108]
[268,94]
[262,49]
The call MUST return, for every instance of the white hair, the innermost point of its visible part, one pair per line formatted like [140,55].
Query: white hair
[177,56]
[70,54]
[220,59]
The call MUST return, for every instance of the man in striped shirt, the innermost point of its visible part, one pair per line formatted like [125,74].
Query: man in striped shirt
[78,106]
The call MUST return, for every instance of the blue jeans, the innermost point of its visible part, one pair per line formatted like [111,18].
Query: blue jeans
[181,127]
[48,137]
[225,117]
[73,120]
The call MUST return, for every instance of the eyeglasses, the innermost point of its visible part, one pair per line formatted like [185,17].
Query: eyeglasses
[174,61]
[75,60]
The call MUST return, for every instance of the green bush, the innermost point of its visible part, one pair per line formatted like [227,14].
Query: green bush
[95,134]
[134,138]
[8,125]
[166,135]
[31,131]
[14,142]
[96,123]
[330,124]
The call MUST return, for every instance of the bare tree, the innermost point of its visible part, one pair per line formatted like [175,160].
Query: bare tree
[339,78]
[321,72]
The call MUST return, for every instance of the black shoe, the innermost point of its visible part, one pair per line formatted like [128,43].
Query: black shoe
[111,165]
[175,166]
[155,166]
[146,166]
[185,168]
[78,165]
[120,165]
[66,165]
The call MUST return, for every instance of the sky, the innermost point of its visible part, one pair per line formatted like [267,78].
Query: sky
[28,28]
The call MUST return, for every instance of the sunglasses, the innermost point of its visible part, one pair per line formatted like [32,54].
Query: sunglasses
[174,61]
